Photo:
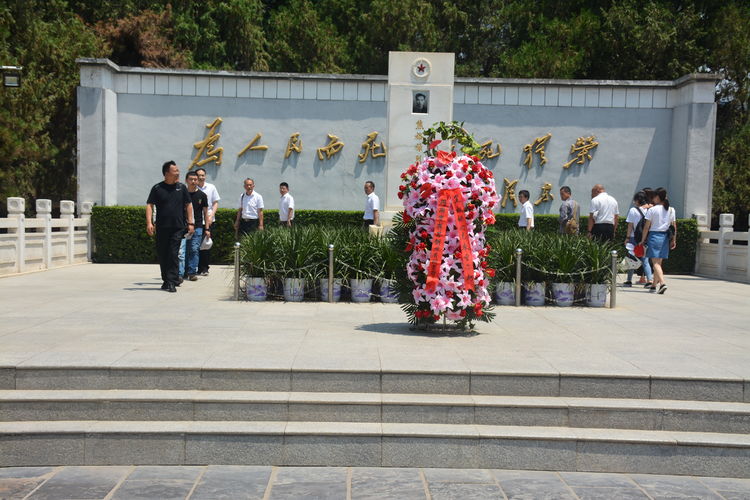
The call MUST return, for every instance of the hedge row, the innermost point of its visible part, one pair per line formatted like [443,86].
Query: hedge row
[120,233]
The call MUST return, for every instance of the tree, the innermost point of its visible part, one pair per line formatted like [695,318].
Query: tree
[730,56]
[144,40]
[38,120]
[650,41]
[300,40]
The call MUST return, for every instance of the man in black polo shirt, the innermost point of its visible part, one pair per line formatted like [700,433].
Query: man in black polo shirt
[173,205]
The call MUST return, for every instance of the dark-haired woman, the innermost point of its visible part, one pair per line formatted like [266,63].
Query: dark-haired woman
[635,215]
[656,236]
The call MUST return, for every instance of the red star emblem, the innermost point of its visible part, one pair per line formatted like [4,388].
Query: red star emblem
[421,68]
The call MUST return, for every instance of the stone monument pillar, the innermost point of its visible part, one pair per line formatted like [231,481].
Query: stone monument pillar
[420,93]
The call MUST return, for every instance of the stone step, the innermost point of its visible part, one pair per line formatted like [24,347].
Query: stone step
[418,382]
[373,445]
[149,405]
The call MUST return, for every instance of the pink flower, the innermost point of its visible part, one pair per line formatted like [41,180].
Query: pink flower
[439,304]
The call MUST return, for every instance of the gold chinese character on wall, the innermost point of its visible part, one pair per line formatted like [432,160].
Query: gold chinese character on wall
[333,147]
[536,147]
[369,147]
[509,192]
[252,147]
[546,194]
[207,146]
[582,150]
[486,153]
[294,145]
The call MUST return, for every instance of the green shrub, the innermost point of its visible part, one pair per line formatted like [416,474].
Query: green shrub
[120,234]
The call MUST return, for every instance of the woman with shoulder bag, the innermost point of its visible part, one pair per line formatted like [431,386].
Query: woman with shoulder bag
[636,220]
[660,236]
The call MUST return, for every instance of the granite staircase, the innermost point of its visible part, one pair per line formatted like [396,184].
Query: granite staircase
[91,416]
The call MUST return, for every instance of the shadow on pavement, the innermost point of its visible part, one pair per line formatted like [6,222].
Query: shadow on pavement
[412,331]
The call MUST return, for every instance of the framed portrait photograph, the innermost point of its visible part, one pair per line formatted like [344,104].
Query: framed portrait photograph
[420,102]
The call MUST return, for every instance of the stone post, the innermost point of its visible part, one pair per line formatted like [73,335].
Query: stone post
[67,212]
[702,221]
[84,212]
[16,209]
[726,225]
[44,212]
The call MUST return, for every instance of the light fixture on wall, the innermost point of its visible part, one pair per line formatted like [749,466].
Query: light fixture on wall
[11,76]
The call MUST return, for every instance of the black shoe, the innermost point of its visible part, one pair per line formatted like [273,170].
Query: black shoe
[179,282]
[627,284]
[662,289]
[171,288]
[164,285]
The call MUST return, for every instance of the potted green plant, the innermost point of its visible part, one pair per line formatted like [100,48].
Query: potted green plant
[358,255]
[596,260]
[299,256]
[536,260]
[502,259]
[565,258]
[391,260]
[258,263]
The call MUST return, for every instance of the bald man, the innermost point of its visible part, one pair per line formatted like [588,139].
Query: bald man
[603,214]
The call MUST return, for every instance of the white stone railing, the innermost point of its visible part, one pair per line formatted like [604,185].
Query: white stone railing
[724,258]
[35,244]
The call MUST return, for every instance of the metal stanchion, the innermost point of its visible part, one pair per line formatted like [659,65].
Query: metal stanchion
[613,285]
[519,254]
[236,270]
[330,274]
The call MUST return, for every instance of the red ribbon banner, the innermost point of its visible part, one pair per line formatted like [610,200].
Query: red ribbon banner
[450,199]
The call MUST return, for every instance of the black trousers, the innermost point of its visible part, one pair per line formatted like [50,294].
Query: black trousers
[366,223]
[603,232]
[204,256]
[168,241]
[248,226]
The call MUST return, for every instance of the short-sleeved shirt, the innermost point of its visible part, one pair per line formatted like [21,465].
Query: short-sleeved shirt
[213,195]
[527,212]
[371,204]
[170,201]
[568,211]
[250,204]
[605,209]
[634,216]
[200,201]
[660,217]
[285,203]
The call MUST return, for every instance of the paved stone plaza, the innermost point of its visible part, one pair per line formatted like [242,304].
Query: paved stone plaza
[97,315]
[113,317]
[247,482]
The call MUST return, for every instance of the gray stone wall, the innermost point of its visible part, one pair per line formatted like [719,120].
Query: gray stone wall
[131,120]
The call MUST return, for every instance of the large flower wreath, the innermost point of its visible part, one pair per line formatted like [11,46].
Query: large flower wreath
[448,200]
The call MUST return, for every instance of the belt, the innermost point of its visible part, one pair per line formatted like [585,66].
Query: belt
[249,219]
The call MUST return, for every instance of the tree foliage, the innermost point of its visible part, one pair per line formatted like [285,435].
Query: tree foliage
[38,120]
[597,39]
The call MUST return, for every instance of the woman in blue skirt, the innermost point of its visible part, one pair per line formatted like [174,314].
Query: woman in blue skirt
[657,237]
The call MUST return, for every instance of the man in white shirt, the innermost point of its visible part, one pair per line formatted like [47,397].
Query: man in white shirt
[286,206]
[526,217]
[250,210]
[603,214]
[372,207]
[209,229]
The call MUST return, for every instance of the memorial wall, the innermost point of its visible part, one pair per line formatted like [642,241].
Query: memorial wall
[327,134]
